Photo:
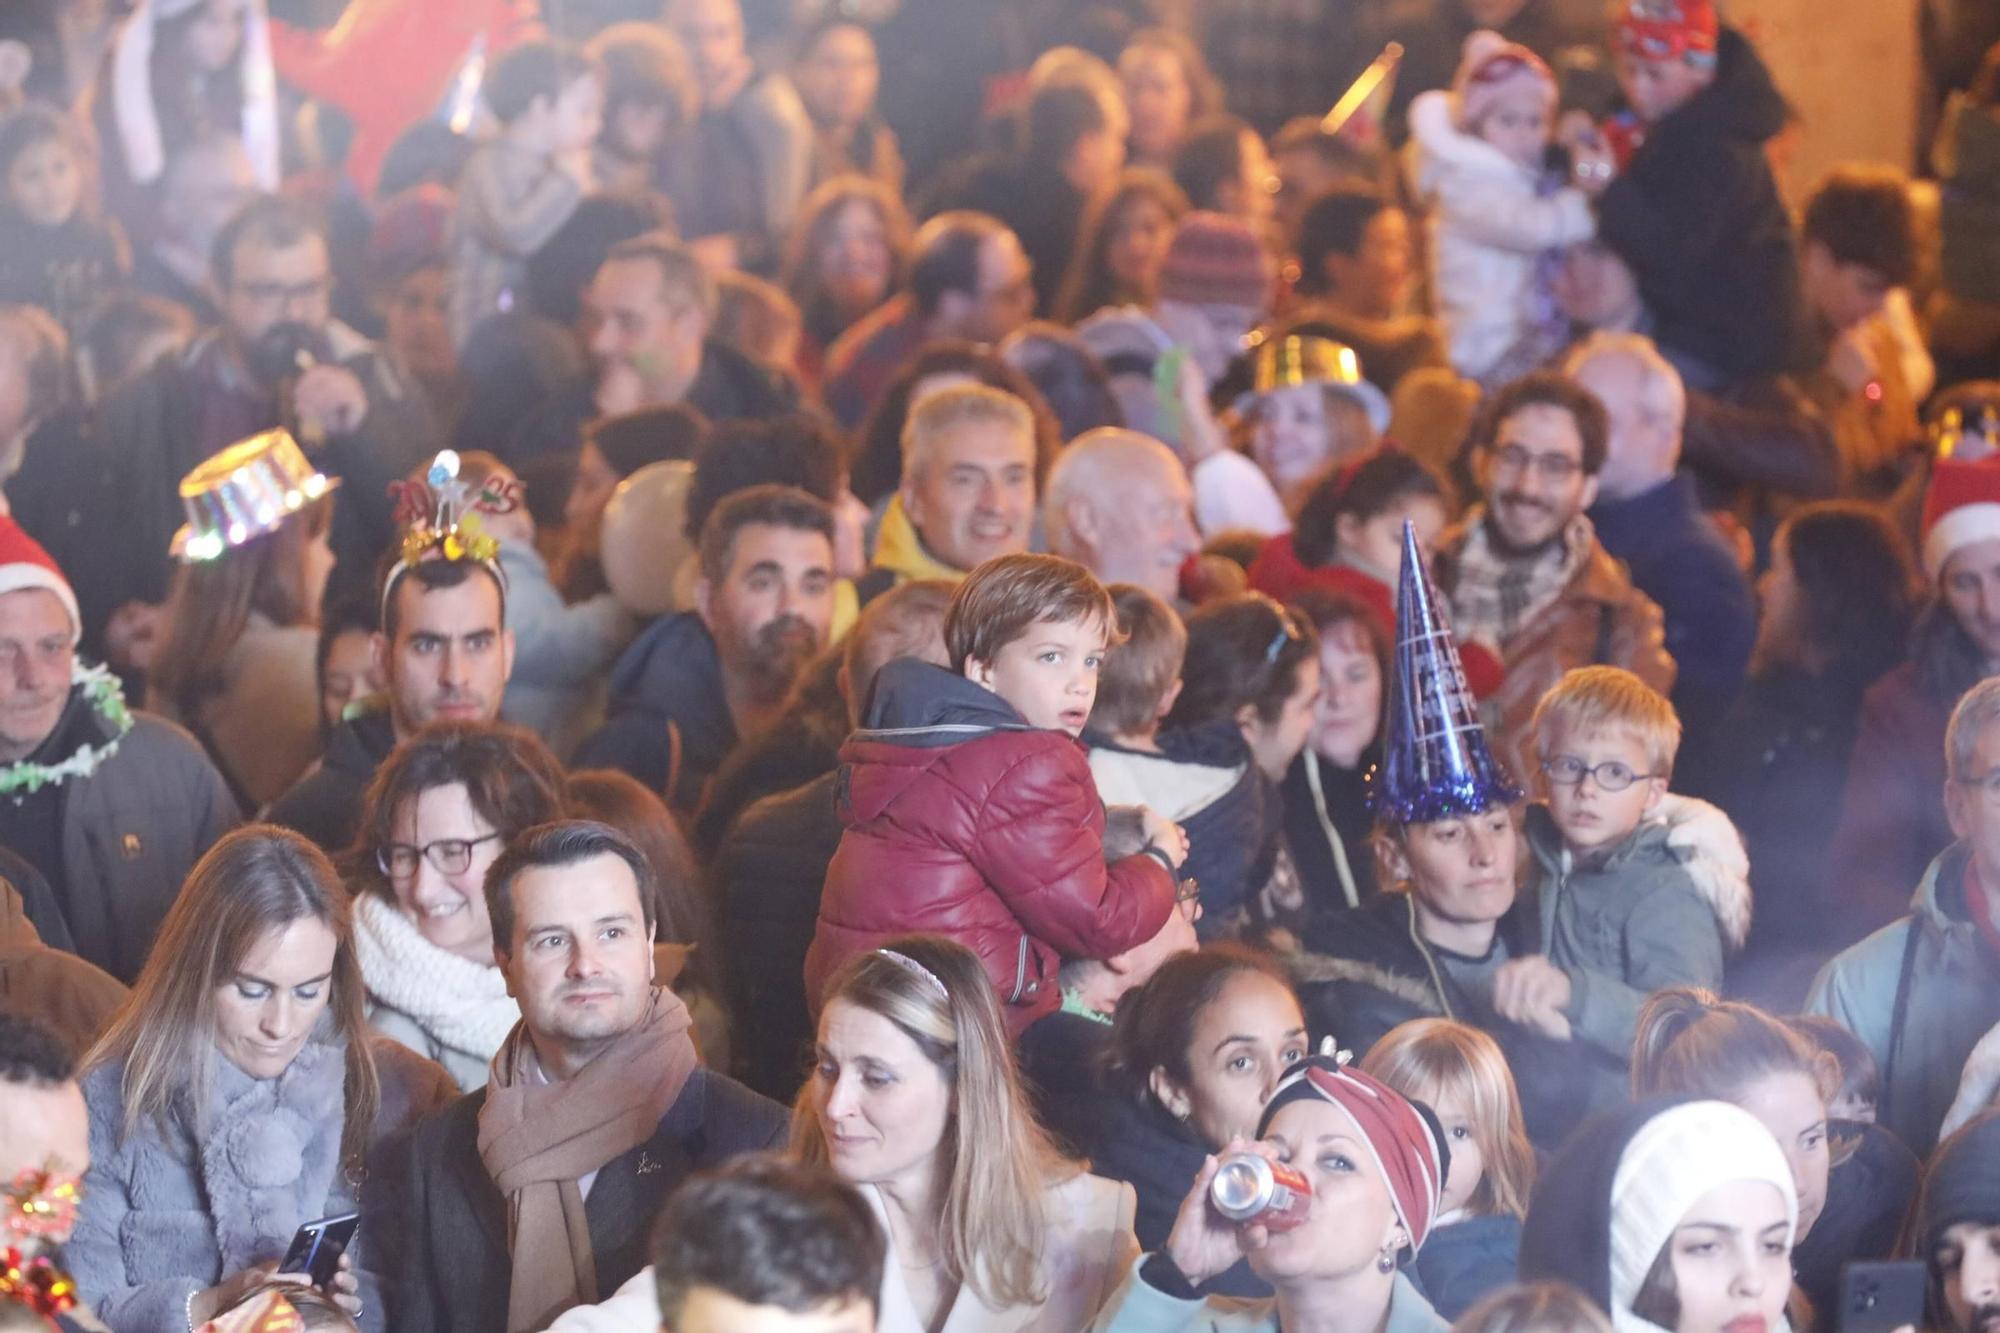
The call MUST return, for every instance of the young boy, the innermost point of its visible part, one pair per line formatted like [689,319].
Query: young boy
[1199,777]
[519,187]
[1637,889]
[968,805]
[1695,211]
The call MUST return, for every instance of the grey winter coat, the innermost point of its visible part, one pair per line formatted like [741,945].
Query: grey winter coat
[172,1209]
[1920,992]
[1659,909]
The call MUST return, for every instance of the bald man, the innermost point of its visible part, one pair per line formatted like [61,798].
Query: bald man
[1119,503]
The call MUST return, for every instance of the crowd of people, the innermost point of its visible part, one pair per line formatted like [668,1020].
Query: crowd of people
[800,667]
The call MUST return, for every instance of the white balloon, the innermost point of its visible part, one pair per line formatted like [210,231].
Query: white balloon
[643,546]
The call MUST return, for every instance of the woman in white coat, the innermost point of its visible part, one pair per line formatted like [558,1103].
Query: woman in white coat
[914,1098]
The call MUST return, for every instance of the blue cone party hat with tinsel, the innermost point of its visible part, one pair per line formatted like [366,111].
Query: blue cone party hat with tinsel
[1435,760]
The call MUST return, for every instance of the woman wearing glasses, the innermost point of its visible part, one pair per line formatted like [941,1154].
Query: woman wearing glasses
[438,813]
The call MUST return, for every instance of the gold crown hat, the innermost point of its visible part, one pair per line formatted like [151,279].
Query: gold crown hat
[1295,359]
[245,492]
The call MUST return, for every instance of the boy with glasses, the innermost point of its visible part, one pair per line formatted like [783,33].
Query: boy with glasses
[1637,889]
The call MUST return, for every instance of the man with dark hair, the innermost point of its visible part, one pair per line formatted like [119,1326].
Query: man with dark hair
[766,1245]
[44,1141]
[1524,569]
[598,1105]
[1955,1229]
[278,358]
[1223,167]
[1357,270]
[693,683]
[969,278]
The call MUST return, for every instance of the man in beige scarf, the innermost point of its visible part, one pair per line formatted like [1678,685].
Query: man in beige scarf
[536,1193]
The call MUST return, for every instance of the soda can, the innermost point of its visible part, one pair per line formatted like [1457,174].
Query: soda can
[1249,1187]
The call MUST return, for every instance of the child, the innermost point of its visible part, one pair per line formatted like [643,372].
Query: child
[1694,209]
[520,187]
[55,251]
[1496,219]
[1460,1073]
[1199,777]
[969,807]
[1637,889]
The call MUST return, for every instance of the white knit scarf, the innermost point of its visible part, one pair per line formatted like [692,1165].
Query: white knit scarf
[462,1004]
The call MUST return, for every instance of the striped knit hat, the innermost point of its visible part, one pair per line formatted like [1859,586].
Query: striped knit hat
[1216,259]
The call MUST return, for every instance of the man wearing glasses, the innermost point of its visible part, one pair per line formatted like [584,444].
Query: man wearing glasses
[1922,991]
[278,357]
[1524,570]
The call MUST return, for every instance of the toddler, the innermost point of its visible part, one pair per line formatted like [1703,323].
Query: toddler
[968,807]
[1637,890]
[519,187]
[1497,217]
[55,251]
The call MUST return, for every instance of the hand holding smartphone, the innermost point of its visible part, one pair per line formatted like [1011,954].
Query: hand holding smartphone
[317,1246]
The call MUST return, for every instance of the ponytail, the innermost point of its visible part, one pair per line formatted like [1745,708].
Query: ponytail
[1689,1041]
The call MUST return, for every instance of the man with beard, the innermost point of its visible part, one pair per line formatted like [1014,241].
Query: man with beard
[278,358]
[1957,1229]
[1524,571]
[695,682]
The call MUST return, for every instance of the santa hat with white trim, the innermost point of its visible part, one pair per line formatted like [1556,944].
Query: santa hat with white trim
[24,564]
[1961,507]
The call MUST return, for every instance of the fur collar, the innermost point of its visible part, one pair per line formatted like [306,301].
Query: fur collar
[270,1153]
[1712,852]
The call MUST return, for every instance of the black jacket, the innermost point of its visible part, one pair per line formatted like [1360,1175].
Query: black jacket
[453,1268]
[325,804]
[1867,1193]
[1343,794]
[766,877]
[669,724]
[1698,216]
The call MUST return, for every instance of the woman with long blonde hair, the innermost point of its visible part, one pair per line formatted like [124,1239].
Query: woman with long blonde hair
[237,1094]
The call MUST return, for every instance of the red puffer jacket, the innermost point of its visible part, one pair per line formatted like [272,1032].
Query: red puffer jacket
[964,821]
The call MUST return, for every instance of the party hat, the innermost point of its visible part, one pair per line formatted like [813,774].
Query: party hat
[440,519]
[1435,760]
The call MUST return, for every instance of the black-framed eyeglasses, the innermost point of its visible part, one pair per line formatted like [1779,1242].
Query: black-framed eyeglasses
[1187,900]
[448,856]
[1611,775]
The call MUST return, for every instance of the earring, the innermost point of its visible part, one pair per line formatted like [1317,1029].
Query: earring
[1385,1262]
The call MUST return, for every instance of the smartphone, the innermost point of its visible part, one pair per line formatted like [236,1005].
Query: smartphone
[317,1247]
[1882,1297]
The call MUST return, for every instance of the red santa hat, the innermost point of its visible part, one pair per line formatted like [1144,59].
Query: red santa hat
[24,564]
[1961,507]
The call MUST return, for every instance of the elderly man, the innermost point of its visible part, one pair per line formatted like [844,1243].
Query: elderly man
[1119,504]
[112,806]
[1647,515]
[1922,991]
[1524,570]
[693,683]
[968,491]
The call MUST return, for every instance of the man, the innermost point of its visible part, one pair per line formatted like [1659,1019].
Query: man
[45,1131]
[1858,247]
[969,278]
[968,491]
[1310,161]
[1524,569]
[693,683]
[753,143]
[598,1106]
[111,806]
[205,184]
[771,862]
[1922,991]
[278,358]
[446,652]
[1647,515]
[650,309]
[1357,273]
[765,1245]
[1223,167]
[1956,1230]
[1119,504]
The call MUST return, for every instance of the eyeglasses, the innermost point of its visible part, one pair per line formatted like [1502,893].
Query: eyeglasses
[281,293]
[448,856]
[1187,900]
[1512,460]
[1569,771]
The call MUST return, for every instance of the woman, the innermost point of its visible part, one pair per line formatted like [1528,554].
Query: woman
[849,252]
[1120,245]
[1328,821]
[837,74]
[438,813]
[1167,88]
[914,1099]
[1837,600]
[1674,1217]
[1857,1180]
[1196,1052]
[651,104]
[1376,1163]
[1307,410]
[238,662]
[237,1095]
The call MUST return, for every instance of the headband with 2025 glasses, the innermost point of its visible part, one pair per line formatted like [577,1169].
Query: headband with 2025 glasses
[440,519]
